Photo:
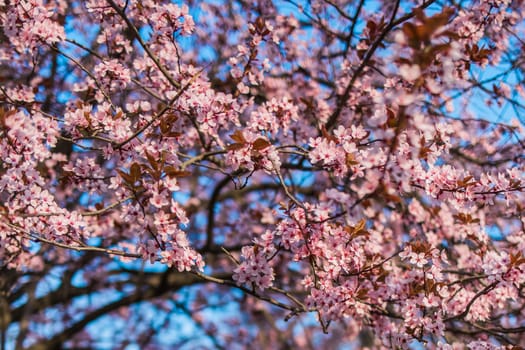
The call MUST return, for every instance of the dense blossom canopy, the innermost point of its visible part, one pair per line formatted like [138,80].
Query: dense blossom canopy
[273,174]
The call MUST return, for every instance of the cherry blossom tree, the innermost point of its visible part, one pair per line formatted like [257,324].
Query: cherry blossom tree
[279,174]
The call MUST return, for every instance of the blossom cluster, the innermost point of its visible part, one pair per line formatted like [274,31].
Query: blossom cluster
[331,166]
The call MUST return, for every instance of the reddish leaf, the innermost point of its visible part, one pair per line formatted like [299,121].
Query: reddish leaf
[152,161]
[261,144]
[127,178]
[173,172]
[134,171]
[238,137]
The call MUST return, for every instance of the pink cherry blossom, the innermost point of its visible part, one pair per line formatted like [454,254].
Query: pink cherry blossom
[267,172]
